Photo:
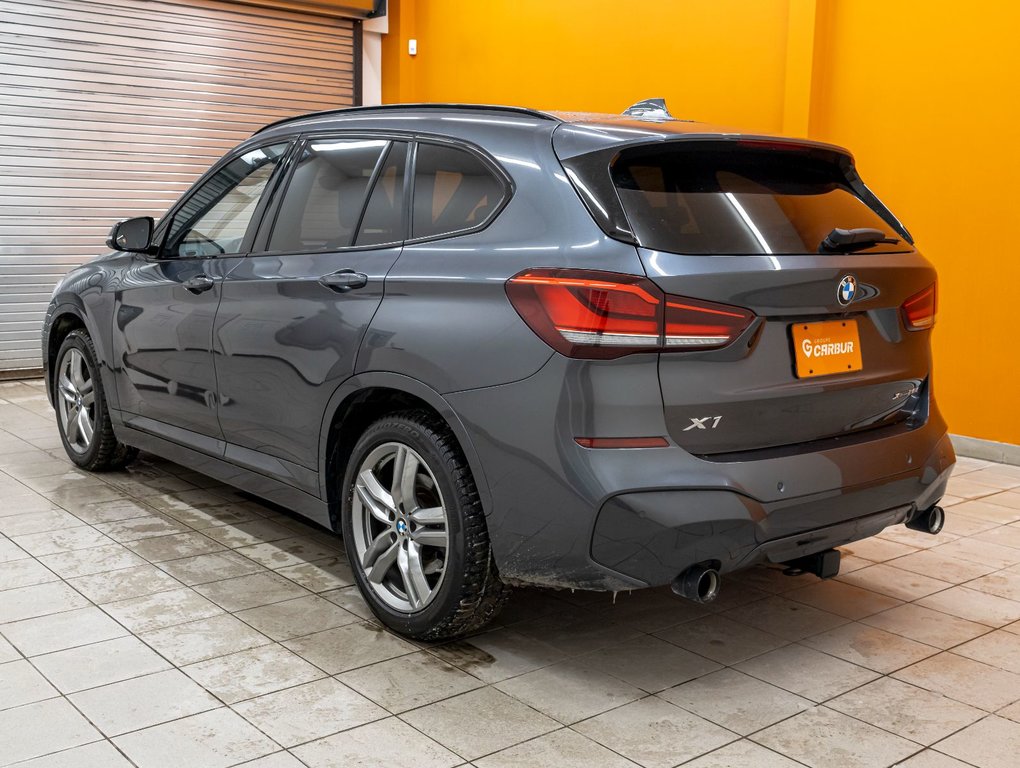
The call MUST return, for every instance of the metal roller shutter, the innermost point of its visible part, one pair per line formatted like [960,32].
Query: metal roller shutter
[112,108]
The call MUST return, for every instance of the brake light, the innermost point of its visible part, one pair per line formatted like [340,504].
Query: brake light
[920,309]
[591,314]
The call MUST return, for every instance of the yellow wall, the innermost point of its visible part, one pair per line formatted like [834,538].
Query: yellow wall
[925,94]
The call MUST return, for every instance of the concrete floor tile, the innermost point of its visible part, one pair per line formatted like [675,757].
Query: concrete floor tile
[294,551]
[974,606]
[62,540]
[321,575]
[293,618]
[1002,584]
[174,547]
[24,573]
[870,647]
[214,739]
[310,711]
[927,626]
[83,562]
[59,631]
[992,508]
[275,760]
[785,618]
[97,512]
[218,566]
[11,552]
[41,728]
[124,584]
[654,733]
[498,654]
[564,749]
[738,702]
[894,582]
[257,531]
[204,639]
[1009,499]
[349,647]
[649,663]
[497,721]
[8,652]
[383,744]
[822,737]
[570,691]
[98,754]
[967,489]
[942,566]
[999,649]
[963,679]
[251,591]
[162,609]
[721,639]
[409,681]
[743,754]
[906,710]
[842,599]
[20,684]
[991,743]
[877,550]
[350,599]
[143,701]
[138,528]
[246,674]
[38,600]
[806,672]
[37,522]
[89,666]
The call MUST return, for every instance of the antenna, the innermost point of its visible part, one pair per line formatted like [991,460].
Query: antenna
[649,109]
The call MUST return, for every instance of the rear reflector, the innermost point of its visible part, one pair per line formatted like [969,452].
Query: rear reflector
[920,309]
[589,314]
[622,442]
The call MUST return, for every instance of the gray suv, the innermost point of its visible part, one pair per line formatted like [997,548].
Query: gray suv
[493,346]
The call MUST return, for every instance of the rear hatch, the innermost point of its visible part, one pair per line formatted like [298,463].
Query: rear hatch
[839,342]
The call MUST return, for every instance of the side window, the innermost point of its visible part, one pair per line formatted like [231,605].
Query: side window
[453,191]
[325,196]
[383,221]
[214,220]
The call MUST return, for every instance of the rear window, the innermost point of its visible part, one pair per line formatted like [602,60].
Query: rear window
[738,199]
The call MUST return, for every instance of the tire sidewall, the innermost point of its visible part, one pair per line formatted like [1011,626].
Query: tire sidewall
[80,341]
[407,431]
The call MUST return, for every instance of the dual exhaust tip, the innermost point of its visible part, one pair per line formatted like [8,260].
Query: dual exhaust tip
[701,582]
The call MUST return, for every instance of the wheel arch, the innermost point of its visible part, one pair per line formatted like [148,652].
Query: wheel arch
[366,397]
[65,317]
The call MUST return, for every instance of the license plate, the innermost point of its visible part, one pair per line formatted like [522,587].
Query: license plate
[823,349]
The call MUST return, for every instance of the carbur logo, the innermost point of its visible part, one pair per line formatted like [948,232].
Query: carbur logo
[847,290]
[824,348]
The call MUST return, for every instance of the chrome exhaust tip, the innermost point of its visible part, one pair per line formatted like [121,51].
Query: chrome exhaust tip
[698,583]
[929,521]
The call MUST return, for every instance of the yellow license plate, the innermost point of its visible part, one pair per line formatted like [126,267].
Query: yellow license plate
[823,349]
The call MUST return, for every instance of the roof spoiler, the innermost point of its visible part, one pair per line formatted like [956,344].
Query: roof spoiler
[652,109]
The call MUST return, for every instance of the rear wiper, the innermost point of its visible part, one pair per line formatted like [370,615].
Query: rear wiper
[847,240]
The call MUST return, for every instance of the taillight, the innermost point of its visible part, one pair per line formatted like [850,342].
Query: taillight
[590,314]
[919,310]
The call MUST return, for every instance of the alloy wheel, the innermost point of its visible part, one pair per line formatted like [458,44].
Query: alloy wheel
[400,527]
[76,400]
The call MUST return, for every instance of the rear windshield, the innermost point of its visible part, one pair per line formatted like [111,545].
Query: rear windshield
[710,198]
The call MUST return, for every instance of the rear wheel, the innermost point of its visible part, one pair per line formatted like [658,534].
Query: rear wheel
[415,532]
[82,414]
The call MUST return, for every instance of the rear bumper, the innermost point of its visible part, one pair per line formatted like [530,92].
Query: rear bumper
[566,516]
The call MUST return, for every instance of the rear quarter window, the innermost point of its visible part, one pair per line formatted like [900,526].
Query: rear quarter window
[729,198]
[454,191]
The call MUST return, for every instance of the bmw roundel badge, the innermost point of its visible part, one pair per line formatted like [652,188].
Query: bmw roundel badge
[847,290]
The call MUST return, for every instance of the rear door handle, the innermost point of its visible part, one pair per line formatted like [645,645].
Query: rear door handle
[199,284]
[344,280]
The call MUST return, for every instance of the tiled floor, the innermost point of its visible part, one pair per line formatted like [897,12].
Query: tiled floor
[154,618]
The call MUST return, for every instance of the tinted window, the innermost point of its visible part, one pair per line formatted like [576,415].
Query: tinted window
[214,220]
[719,199]
[383,221]
[326,194]
[453,191]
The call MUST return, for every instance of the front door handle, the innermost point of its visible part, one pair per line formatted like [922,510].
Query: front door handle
[199,284]
[344,280]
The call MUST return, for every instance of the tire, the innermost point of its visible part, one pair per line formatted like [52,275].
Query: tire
[463,589]
[83,417]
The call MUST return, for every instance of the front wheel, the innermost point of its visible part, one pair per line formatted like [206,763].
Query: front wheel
[415,532]
[82,414]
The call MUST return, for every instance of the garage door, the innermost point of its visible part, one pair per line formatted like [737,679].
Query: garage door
[112,108]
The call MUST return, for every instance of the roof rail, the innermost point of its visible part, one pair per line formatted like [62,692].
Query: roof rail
[522,111]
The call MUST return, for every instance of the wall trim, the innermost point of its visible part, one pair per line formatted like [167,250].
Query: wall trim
[976,448]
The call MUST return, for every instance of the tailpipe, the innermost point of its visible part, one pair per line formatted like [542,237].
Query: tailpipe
[699,583]
[929,521]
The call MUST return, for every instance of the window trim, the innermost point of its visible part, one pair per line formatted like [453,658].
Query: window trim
[162,228]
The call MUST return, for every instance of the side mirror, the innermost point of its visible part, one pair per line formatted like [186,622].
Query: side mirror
[131,235]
